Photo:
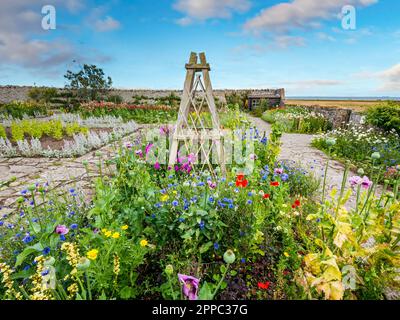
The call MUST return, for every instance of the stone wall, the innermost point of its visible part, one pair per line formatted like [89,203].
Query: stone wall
[10,93]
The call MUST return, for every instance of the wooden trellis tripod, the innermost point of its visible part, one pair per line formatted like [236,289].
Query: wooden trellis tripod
[190,128]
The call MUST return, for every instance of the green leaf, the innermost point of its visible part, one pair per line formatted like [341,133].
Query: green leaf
[36,227]
[205,292]
[222,268]
[205,247]
[126,293]
[233,273]
[27,251]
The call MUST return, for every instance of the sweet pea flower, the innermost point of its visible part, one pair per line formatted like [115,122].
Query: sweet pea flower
[190,286]
[278,170]
[61,230]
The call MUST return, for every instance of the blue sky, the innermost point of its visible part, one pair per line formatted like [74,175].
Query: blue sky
[299,44]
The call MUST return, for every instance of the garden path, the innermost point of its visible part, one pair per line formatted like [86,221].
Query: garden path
[296,148]
[61,174]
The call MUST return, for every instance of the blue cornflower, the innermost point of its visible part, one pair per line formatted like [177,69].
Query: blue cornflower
[31,203]
[241,233]
[284,177]
[175,203]
[45,272]
[201,225]
[27,239]
[74,226]
[153,215]
[71,213]
[157,205]
[10,226]
[24,192]
[181,219]
[18,235]
[230,206]
[22,213]
[35,220]
[1,223]
[249,201]
[211,199]
[319,220]
[200,184]
[250,194]
[216,246]
[243,260]
[230,184]
[62,237]
[46,250]
[221,204]
[72,190]
[27,267]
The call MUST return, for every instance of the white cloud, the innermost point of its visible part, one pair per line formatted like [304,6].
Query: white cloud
[107,24]
[326,37]
[196,10]
[391,79]
[286,41]
[20,22]
[286,16]
[308,84]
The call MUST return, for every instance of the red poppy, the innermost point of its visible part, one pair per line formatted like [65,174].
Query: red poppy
[293,206]
[241,181]
[264,285]
[297,203]
[274,184]
[266,196]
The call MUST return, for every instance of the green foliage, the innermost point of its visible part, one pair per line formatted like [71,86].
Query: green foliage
[297,120]
[385,116]
[89,82]
[237,98]
[115,98]
[19,109]
[2,132]
[36,129]
[44,95]
[356,144]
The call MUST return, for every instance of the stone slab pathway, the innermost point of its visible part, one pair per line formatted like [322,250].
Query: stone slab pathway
[296,148]
[63,173]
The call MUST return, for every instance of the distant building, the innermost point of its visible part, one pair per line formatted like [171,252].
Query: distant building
[273,98]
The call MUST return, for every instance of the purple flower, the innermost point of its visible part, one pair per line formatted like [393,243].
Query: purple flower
[139,153]
[278,170]
[190,286]
[148,148]
[284,177]
[128,145]
[157,166]
[191,158]
[366,183]
[211,184]
[61,229]
[355,180]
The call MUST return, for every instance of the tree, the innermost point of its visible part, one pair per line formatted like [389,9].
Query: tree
[89,82]
[42,94]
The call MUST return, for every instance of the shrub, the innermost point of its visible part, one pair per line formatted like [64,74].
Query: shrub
[2,132]
[298,120]
[385,116]
[115,98]
[20,109]
[42,94]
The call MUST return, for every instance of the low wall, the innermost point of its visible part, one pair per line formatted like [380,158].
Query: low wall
[10,93]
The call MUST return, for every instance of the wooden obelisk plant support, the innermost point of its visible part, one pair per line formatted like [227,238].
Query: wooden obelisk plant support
[190,131]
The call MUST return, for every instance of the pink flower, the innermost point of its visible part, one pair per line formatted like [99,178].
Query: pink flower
[278,170]
[148,147]
[191,158]
[61,229]
[190,286]
[157,166]
[355,180]
[211,184]
[164,130]
[253,156]
[139,153]
[366,183]
[128,145]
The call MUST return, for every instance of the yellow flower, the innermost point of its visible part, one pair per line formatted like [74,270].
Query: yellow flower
[115,235]
[144,242]
[286,254]
[92,254]
[175,192]
[164,197]
[108,234]
[104,230]
[124,227]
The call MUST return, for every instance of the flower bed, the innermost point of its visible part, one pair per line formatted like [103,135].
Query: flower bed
[297,120]
[61,136]
[138,113]
[357,144]
[154,232]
